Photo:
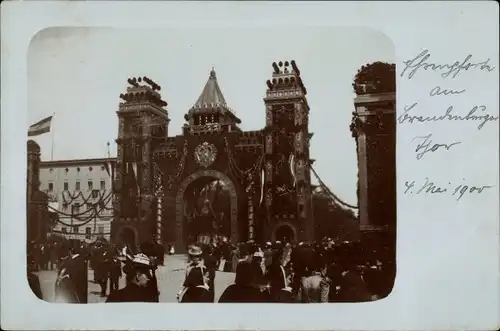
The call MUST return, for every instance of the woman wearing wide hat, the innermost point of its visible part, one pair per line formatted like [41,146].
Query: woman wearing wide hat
[139,274]
[195,287]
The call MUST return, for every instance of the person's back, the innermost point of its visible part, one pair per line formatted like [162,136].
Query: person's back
[236,293]
[130,293]
[244,289]
[353,288]
[314,289]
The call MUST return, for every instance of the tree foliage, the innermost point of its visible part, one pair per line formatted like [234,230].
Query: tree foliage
[374,78]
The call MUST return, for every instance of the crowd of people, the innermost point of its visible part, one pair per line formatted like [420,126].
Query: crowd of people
[277,272]
[290,273]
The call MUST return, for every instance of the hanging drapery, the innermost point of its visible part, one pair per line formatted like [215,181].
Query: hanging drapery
[134,169]
[262,180]
[292,168]
[249,192]
[159,224]
[158,182]
[251,224]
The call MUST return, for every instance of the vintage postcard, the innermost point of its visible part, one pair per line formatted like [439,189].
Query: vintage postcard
[209,165]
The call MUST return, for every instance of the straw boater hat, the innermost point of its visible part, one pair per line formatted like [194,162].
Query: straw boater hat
[259,253]
[141,260]
[195,251]
[138,261]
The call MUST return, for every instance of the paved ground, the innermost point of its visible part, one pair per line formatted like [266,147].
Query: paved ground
[170,277]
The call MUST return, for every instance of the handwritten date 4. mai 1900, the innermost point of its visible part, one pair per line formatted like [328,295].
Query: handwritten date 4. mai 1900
[429,187]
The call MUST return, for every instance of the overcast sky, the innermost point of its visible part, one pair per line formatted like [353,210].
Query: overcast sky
[78,73]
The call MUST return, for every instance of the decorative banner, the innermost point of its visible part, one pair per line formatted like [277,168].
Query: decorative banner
[159,224]
[134,169]
[262,179]
[53,206]
[292,168]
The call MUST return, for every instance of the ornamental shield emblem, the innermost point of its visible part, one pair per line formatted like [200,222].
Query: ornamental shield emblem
[205,154]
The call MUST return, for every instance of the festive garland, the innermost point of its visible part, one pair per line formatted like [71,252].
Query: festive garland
[78,195]
[330,193]
[99,202]
[235,169]
[180,167]
[86,221]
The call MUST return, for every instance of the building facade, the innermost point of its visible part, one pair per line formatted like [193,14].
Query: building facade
[80,193]
[265,171]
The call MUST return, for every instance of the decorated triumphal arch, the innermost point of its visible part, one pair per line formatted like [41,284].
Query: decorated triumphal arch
[263,174]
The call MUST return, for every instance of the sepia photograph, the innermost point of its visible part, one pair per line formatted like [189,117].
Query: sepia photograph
[218,165]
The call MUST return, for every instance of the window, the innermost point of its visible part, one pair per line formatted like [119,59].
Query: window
[88,233]
[91,185]
[101,229]
[89,205]
[63,229]
[103,185]
[64,206]
[66,187]
[76,208]
[51,187]
[75,229]
[77,186]
[95,194]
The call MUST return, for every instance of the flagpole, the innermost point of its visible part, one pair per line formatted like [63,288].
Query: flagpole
[52,129]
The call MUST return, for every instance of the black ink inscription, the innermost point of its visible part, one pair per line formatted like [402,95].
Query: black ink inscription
[437,91]
[409,186]
[464,189]
[426,145]
[431,188]
[472,115]
[447,70]
[428,187]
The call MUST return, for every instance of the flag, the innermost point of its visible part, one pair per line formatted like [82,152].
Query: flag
[40,127]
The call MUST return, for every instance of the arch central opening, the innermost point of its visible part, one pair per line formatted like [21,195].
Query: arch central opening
[127,237]
[207,210]
[284,233]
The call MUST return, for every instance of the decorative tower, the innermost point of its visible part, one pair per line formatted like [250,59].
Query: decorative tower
[143,124]
[210,113]
[374,128]
[33,178]
[287,175]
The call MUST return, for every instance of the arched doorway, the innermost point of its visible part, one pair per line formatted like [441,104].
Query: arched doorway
[127,237]
[206,220]
[284,232]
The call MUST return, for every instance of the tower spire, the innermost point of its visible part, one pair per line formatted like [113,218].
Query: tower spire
[211,96]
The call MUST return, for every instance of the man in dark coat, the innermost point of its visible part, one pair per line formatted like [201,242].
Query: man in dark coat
[71,284]
[210,261]
[352,286]
[34,280]
[102,265]
[115,273]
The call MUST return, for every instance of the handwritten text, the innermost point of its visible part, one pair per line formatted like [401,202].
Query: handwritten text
[447,70]
[426,145]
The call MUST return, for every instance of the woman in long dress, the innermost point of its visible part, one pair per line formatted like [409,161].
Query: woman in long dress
[195,287]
